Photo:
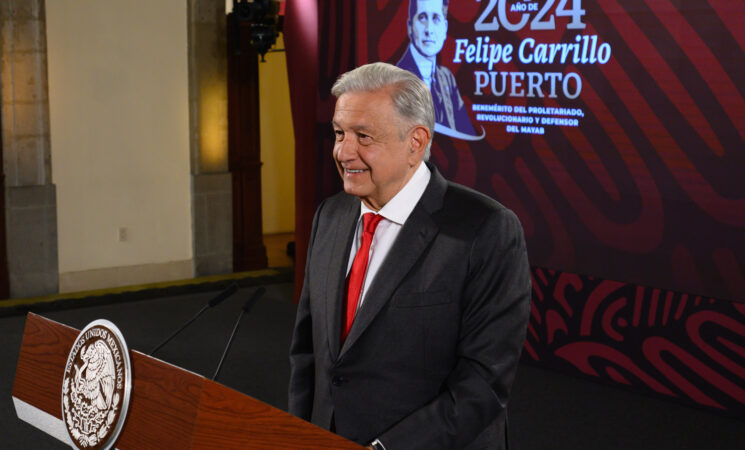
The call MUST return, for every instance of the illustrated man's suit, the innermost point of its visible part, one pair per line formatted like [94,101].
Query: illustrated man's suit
[433,349]
[450,110]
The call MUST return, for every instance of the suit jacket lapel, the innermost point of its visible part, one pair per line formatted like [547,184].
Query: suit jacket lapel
[413,239]
[336,274]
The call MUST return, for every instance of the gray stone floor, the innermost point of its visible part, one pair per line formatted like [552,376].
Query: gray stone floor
[548,410]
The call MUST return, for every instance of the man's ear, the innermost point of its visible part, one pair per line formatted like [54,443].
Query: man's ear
[420,137]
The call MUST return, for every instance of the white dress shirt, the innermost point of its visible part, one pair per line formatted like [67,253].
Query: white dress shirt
[394,213]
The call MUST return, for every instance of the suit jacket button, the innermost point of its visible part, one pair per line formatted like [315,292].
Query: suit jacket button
[338,381]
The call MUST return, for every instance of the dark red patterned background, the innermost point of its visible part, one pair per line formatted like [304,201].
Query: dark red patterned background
[648,190]
[689,348]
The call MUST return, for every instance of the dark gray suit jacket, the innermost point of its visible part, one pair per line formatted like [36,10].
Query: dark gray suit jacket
[433,350]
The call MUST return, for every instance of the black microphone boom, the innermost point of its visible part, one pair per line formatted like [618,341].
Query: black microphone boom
[246,308]
[219,298]
[230,290]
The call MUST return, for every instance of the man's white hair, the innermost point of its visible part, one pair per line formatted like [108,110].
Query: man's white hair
[411,97]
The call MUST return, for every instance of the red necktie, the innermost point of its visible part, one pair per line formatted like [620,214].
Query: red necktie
[370,221]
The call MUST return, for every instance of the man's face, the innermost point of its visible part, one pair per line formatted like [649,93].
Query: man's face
[428,28]
[373,158]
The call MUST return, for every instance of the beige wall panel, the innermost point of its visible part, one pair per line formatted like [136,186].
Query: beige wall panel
[119,132]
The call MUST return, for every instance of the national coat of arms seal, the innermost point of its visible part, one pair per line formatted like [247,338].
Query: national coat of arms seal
[96,386]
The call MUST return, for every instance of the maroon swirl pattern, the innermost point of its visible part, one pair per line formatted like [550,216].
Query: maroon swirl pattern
[688,348]
[648,188]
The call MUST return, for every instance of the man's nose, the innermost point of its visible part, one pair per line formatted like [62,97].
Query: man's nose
[346,149]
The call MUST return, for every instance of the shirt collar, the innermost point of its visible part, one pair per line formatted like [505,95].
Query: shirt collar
[425,65]
[399,208]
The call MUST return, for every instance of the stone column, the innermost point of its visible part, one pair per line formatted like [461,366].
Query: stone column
[31,211]
[208,123]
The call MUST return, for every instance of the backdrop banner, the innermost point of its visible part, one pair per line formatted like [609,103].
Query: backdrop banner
[615,130]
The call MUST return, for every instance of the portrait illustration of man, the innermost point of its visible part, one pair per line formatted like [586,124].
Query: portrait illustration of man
[427,28]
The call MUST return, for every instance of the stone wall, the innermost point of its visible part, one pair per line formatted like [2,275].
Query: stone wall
[30,195]
[31,212]
[208,123]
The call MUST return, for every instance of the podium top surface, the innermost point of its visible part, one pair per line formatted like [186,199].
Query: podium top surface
[169,407]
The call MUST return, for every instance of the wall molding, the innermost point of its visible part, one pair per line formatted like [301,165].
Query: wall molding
[85,280]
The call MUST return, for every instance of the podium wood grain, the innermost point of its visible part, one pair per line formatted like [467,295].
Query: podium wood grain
[169,406]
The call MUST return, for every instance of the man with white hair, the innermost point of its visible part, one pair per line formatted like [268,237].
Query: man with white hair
[417,290]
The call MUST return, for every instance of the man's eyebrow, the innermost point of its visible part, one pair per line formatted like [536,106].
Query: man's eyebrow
[359,127]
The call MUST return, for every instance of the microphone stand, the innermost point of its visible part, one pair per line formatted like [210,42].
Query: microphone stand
[230,290]
[246,307]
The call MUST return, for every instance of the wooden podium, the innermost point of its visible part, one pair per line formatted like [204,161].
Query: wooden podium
[169,406]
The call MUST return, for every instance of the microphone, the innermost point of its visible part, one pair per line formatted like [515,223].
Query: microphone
[246,308]
[219,298]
